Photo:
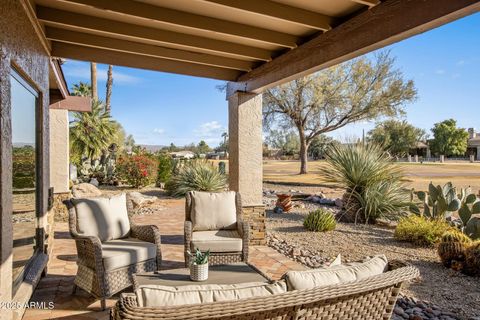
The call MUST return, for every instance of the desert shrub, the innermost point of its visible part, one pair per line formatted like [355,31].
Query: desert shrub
[138,170]
[165,168]
[371,180]
[420,230]
[196,175]
[320,220]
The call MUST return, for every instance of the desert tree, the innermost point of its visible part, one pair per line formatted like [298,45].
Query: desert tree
[396,137]
[448,140]
[362,89]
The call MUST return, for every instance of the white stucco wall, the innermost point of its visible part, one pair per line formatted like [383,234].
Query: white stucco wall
[59,150]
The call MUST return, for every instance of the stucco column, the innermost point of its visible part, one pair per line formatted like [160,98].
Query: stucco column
[59,151]
[245,146]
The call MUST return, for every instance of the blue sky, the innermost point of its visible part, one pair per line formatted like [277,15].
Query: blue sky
[160,108]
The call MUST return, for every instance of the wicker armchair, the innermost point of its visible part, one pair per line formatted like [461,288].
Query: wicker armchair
[242,231]
[372,298]
[102,280]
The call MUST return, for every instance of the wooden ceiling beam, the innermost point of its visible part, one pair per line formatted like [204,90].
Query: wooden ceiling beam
[91,40]
[370,3]
[280,11]
[387,23]
[77,52]
[185,41]
[194,21]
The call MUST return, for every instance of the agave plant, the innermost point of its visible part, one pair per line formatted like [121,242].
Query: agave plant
[196,175]
[371,180]
[198,257]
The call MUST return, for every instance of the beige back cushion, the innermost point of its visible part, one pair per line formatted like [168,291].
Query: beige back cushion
[300,280]
[157,295]
[103,217]
[213,211]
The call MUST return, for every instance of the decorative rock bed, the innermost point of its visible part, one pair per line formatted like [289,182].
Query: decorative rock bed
[406,307]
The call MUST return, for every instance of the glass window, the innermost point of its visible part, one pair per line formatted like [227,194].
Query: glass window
[24,100]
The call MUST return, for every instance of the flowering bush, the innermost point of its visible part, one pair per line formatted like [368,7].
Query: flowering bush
[138,170]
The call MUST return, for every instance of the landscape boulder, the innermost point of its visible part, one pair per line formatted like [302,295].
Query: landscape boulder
[85,190]
[139,200]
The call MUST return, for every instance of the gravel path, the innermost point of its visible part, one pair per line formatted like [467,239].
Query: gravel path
[451,291]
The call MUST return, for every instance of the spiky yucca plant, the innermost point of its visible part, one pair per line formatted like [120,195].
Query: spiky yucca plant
[196,175]
[320,220]
[452,247]
[371,180]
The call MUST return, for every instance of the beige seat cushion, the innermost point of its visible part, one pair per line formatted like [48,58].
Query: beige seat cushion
[213,211]
[103,217]
[217,241]
[157,295]
[124,252]
[300,280]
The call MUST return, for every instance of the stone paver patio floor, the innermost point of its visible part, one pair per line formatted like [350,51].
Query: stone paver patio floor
[57,286]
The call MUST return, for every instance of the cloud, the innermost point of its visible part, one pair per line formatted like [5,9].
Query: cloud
[211,131]
[460,62]
[159,131]
[81,70]
[440,71]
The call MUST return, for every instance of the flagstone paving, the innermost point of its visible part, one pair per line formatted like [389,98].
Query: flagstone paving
[57,285]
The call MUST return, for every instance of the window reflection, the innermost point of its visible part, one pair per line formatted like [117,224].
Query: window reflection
[24,216]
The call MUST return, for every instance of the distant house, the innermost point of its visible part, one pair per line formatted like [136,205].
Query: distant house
[183,154]
[473,145]
[421,149]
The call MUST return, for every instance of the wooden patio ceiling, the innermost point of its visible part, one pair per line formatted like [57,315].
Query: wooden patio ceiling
[254,44]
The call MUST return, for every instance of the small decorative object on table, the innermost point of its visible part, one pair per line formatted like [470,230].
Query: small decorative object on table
[199,265]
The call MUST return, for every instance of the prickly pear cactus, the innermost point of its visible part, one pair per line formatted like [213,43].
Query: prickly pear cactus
[472,259]
[452,247]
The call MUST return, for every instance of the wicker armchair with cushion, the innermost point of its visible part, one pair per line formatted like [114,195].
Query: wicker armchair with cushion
[213,221]
[109,247]
[362,291]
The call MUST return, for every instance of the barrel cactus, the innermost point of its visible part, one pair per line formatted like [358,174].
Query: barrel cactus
[320,220]
[472,259]
[452,247]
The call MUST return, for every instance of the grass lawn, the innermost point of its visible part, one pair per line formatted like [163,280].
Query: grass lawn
[418,176]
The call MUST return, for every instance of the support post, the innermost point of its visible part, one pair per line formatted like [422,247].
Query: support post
[245,159]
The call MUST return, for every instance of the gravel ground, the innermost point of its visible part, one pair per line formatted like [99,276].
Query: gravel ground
[450,290]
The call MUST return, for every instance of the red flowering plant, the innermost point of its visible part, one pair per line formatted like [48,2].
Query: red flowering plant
[137,170]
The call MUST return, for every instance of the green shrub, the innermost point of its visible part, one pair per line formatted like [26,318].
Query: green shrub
[371,180]
[421,230]
[320,220]
[165,168]
[138,170]
[196,175]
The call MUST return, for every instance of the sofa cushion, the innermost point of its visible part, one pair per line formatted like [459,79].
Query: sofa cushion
[103,217]
[213,211]
[299,280]
[124,252]
[217,241]
[157,295]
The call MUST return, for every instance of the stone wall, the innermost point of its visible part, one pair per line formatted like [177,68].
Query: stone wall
[255,215]
[21,49]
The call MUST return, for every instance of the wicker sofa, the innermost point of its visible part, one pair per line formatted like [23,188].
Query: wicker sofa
[370,298]
[106,266]
[227,245]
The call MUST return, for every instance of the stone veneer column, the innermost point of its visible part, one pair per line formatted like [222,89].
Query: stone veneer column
[245,158]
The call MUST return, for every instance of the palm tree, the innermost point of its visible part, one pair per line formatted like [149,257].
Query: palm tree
[82,89]
[93,79]
[91,133]
[225,137]
[109,88]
